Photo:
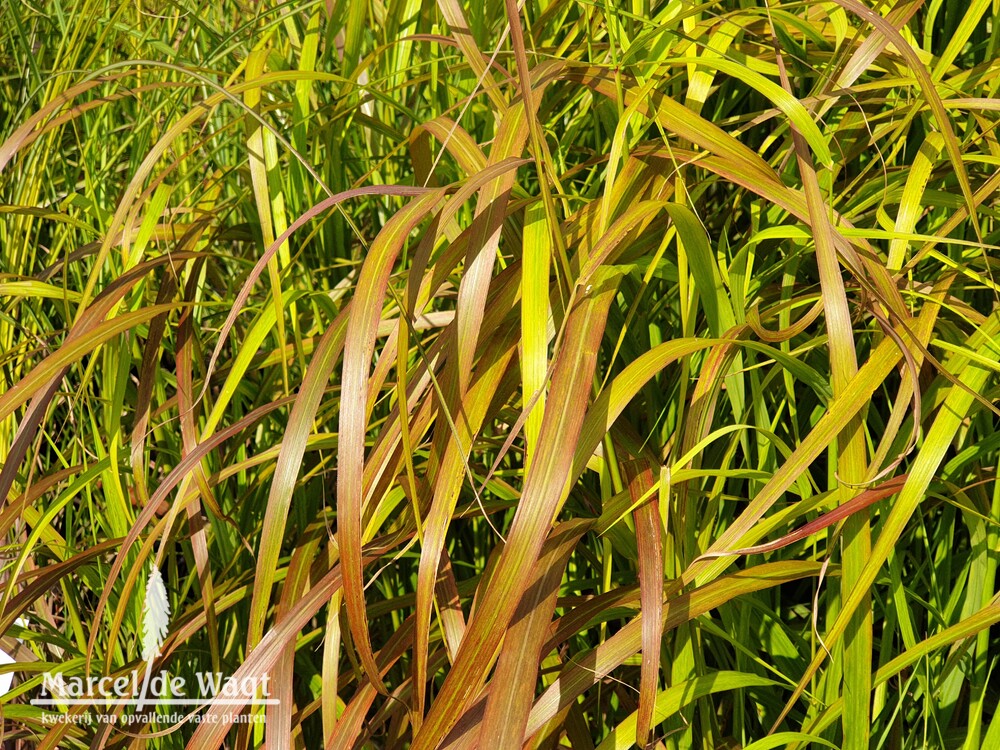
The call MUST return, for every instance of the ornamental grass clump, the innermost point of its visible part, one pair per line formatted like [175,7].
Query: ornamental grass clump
[553,374]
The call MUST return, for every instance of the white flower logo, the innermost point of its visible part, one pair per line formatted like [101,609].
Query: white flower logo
[155,616]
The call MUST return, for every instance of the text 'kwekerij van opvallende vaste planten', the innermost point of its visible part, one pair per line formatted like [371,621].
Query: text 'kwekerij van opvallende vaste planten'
[541,374]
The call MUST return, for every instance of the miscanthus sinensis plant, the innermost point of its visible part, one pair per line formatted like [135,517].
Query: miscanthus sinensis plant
[485,374]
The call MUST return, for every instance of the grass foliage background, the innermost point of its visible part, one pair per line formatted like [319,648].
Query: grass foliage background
[560,374]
